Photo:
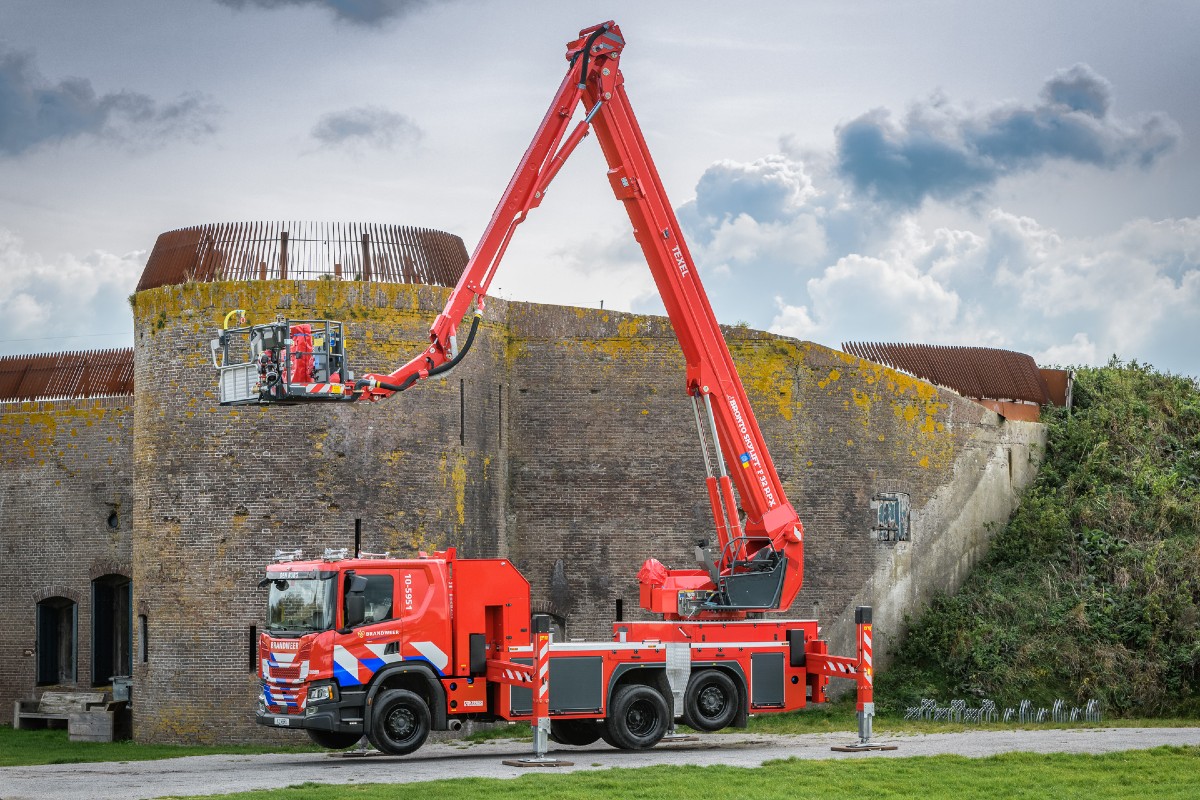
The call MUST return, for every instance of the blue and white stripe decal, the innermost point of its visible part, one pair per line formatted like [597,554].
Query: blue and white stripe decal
[351,670]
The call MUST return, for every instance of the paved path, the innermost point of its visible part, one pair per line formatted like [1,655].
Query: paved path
[196,775]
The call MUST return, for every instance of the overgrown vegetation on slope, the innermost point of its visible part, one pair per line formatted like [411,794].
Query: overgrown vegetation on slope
[1093,588]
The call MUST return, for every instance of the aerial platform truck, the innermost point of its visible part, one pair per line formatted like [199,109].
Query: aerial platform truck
[393,648]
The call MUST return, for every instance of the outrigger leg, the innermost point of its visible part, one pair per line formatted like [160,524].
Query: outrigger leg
[864,677]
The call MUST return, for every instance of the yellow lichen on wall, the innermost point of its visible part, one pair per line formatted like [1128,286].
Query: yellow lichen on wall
[876,393]
[36,428]
[453,469]
[515,349]
[622,350]
[768,370]
[403,311]
[425,528]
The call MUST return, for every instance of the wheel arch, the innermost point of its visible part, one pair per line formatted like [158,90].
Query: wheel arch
[652,675]
[416,678]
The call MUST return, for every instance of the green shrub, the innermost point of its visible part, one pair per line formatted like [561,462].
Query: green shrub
[1092,590]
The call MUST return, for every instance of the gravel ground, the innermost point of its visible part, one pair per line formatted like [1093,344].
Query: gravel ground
[204,775]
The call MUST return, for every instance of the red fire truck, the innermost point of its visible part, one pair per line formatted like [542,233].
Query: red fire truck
[394,648]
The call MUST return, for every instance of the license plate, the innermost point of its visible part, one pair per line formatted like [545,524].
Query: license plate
[283,722]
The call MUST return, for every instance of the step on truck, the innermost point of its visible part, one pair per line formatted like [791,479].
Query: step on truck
[393,648]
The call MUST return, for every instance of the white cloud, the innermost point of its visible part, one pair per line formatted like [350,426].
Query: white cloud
[862,297]
[743,240]
[794,321]
[840,266]
[1079,350]
[68,302]
[1138,288]
[1020,285]
[757,229]
[772,189]
[953,257]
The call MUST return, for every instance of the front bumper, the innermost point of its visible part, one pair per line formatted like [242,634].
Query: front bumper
[280,720]
[342,716]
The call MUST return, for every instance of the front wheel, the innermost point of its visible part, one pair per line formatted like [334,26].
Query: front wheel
[399,722]
[638,718]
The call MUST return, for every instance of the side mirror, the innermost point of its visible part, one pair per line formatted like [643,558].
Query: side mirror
[356,601]
[356,609]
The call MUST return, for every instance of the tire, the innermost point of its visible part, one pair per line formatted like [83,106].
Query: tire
[606,736]
[638,718]
[399,722]
[711,701]
[576,732]
[333,740]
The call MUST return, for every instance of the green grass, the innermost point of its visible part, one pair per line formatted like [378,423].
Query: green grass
[519,730]
[1090,591]
[1165,772]
[29,748]
[826,718]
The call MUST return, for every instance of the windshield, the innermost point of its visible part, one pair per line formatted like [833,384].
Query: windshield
[300,605]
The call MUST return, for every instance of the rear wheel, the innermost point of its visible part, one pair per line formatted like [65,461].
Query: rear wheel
[333,740]
[638,718]
[577,732]
[399,722]
[710,702]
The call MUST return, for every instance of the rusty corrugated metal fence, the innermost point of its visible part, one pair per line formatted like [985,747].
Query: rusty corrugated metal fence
[53,376]
[304,251]
[975,372]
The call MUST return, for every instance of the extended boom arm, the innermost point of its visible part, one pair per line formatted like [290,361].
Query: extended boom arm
[758,563]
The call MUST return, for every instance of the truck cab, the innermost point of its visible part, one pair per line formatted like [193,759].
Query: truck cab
[343,633]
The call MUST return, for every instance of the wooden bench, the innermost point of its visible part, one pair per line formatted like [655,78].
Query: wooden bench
[54,707]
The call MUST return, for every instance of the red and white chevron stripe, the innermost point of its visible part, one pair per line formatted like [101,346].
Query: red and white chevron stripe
[324,388]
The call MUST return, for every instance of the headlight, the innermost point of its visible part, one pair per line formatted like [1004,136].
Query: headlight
[321,693]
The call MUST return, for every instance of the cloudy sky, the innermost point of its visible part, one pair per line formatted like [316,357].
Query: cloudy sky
[1023,175]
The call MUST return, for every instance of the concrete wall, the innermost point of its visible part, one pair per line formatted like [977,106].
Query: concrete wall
[67,481]
[963,466]
[564,442]
[953,530]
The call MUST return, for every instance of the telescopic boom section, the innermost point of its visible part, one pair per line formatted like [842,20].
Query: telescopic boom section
[758,563]
[525,190]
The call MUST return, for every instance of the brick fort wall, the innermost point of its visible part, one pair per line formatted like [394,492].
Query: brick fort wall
[564,442]
[66,504]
